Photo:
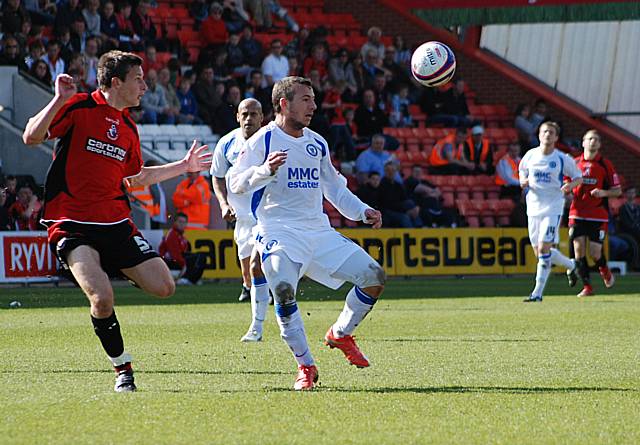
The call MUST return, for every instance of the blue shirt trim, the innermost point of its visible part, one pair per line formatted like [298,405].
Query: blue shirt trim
[322,147]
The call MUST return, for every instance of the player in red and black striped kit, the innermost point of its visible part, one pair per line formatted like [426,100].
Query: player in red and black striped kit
[86,208]
[589,213]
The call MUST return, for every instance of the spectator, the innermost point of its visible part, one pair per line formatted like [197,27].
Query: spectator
[340,139]
[403,53]
[397,74]
[5,220]
[129,39]
[454,111]
[220,67]
[318,61]
[397,209]
[629,216]
[23,37]
[79,35]
[192,197]
[234,15]
[507,173]
[369,191]
[206,95]
[299,46]
[381,90]
[538,117]
[78,78]
[24,212]
[213,31]
[227,112]
[261,13]
[63,36]
[526,130]
[173,103]
[294,66]
[109,30]
[10,55]
[374,34]
[369,118]
[359,75]
[40,72]
[10,187]
[92,17]
[150,59]
[400,115]
[429,198]
[143,25]
[479,151]
[256,91]
[67,14]
[199,10]
[371,68]
[53,59]
[41,13]
[340,68]
[251,48]
[447,156]
[13,15]
[91,63]
[36,51]
[235,57]
[373,159]
[175,250]
[154,102]
[275,66]
[188,104]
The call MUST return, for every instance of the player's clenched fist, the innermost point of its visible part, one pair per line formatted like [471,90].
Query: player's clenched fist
[65,86]
[275,160]
[373,217]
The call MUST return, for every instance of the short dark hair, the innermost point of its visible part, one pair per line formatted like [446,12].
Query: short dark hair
[284,88]
[115,64]
[181,215]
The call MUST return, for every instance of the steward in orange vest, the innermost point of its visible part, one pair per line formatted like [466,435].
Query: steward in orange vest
[141,194]
[477,150]
[192,197]
[507,175]
[446,157]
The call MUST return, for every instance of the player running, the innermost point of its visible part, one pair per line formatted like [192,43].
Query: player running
[288,169]
[542,170]
[86,210]
[238,207]
[589,213]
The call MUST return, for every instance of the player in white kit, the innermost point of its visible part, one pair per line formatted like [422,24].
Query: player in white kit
[542,171]
[287,168]
[238,208]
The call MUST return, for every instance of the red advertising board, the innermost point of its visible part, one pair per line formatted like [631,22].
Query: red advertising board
[27,256]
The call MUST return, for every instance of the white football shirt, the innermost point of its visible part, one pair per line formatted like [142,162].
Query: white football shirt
[224,157]
[293,196]
[545,174]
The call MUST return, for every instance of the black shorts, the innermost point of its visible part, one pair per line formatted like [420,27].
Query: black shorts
[120,245]
[594,230]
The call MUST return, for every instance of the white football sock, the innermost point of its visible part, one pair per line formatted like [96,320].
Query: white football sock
[121,359]
[559,259]
[542,274]
[356,306]
[292,332]
[259,303]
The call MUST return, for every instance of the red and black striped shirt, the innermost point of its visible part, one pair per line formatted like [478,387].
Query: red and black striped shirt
[98,147]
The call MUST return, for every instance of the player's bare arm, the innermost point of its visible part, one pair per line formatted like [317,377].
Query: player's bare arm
[36,129]
[613,192]
[220,190]
[197,159]
[568,186]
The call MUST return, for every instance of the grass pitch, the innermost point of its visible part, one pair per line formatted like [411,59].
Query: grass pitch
[454,361]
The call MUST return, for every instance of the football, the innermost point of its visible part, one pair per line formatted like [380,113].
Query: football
[433,64]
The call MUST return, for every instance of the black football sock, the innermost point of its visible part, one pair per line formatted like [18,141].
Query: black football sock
[583,270]
[108,331]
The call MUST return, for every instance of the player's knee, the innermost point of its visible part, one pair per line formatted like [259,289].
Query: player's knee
[284,293]
[373,276]
[101,304]
[166,289]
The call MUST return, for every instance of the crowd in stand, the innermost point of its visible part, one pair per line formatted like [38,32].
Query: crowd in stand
[358,94]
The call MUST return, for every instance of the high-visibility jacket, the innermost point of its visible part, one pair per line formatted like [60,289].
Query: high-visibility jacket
[437,157]
[193,199]
[486,146]
[142,195]
[513,164]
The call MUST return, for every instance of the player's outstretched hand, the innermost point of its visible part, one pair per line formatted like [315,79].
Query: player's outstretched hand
[598,193]
[275,160]
[197,158]
[373,217]
[65,86]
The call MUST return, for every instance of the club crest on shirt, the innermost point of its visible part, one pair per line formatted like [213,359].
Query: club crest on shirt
[112,132]
[552,164]
[312,150]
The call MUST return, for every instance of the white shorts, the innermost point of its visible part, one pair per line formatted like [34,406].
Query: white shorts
[320,253]
[544,229]
[243,236]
